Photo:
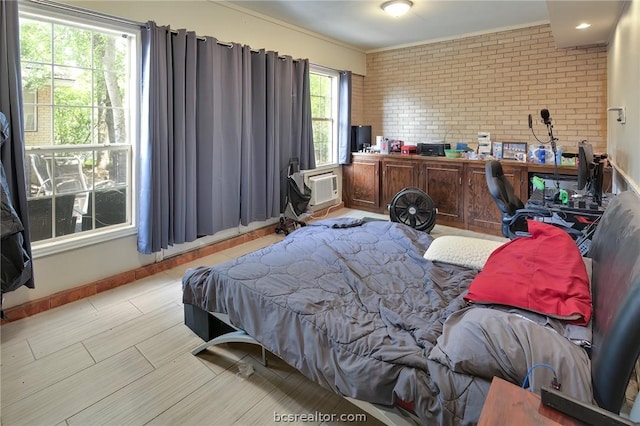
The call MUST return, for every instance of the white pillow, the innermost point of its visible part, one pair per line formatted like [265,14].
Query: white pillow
[462,251]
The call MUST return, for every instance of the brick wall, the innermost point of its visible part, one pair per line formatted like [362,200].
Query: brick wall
[42,135]
[357,99]
[488,83]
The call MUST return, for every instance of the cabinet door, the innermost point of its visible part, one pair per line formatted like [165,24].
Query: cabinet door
[483,215]
[397,175]
[361,184]
[443,183]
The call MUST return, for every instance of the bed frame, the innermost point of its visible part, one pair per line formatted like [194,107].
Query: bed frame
[216,329]
[615,347]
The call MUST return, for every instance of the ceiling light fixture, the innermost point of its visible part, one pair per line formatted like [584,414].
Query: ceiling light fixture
[583,26]
[397,7]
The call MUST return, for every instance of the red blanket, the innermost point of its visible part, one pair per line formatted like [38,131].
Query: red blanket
[543,273]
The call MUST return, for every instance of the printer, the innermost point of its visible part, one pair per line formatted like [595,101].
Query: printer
[432,149]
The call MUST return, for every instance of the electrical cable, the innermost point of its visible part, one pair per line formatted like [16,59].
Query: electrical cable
[534,135]
[326,213]
[554,383]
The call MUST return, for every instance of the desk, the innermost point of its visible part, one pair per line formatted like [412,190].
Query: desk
[508,405]
[580,212]
[580,217]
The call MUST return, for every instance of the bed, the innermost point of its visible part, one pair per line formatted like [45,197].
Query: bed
[363,309]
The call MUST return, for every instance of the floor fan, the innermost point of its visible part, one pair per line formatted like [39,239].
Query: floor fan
[414,208]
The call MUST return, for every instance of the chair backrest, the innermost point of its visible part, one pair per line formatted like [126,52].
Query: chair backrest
[110,208]
[40,175]
[501,189]
[616,300]
[40,224]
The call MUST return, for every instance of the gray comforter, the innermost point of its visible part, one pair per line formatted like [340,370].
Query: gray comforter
[359,310]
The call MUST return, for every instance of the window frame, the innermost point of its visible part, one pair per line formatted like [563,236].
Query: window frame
[76,18]
[32,107]
[335,79]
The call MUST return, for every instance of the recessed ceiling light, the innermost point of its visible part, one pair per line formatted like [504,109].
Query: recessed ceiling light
[397,7]
[583,26]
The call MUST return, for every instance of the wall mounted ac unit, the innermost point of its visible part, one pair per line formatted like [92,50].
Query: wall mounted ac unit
[324,188]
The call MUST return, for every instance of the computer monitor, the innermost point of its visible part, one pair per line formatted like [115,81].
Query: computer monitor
[590,171]
[596,182]
[585,164]
[360,138]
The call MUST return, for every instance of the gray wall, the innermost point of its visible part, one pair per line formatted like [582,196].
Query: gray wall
[623,63]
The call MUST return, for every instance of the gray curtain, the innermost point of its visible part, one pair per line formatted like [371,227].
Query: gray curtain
[344,118]
[218,138]
[12,151]
[296,134]
[220,123]
[260,195]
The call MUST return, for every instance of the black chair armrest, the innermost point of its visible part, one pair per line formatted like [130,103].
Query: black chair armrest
[534,212]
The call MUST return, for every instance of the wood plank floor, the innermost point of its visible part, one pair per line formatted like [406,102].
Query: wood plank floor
[123,357]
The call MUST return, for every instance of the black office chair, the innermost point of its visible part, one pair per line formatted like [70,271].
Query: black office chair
[514,221]
[514,213]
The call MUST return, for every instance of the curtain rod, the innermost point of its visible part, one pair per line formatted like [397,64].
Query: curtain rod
[322,67]
[75,9]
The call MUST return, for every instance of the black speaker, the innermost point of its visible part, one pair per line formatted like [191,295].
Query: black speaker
[360,138]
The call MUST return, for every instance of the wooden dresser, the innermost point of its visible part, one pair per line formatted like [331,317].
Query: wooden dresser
[457,186]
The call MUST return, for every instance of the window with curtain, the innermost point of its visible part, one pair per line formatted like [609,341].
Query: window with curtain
[81,80]
[324,114]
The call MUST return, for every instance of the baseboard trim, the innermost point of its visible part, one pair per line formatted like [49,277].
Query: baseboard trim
[77,293]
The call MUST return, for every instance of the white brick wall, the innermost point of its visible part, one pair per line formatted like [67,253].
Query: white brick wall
[357,99]
[487,83]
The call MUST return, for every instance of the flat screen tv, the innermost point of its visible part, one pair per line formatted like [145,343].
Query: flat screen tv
[360,138]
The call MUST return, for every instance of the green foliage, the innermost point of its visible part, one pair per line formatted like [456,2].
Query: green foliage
[320,95]
[321,112]
[35,49]
[72,46]
[35,41]
[72,126]
[88,70]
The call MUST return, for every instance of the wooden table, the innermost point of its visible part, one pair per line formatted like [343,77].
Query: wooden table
[508,405]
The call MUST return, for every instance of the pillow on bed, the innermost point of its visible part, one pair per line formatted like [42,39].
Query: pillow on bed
[462,251]
[543,273]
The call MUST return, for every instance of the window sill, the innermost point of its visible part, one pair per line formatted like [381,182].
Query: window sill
[321,169]
[39,250]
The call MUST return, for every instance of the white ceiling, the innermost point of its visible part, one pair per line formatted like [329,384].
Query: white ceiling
[363,24]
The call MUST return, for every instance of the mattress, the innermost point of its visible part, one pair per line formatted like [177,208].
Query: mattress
[357,308]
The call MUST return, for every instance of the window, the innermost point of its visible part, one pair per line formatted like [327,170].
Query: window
[79,80]
[30,99]
[324,115]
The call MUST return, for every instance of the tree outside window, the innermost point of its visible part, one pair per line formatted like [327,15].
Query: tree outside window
[77,79]
[324,113]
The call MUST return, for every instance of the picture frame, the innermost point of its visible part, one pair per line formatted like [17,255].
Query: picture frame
[516,151]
